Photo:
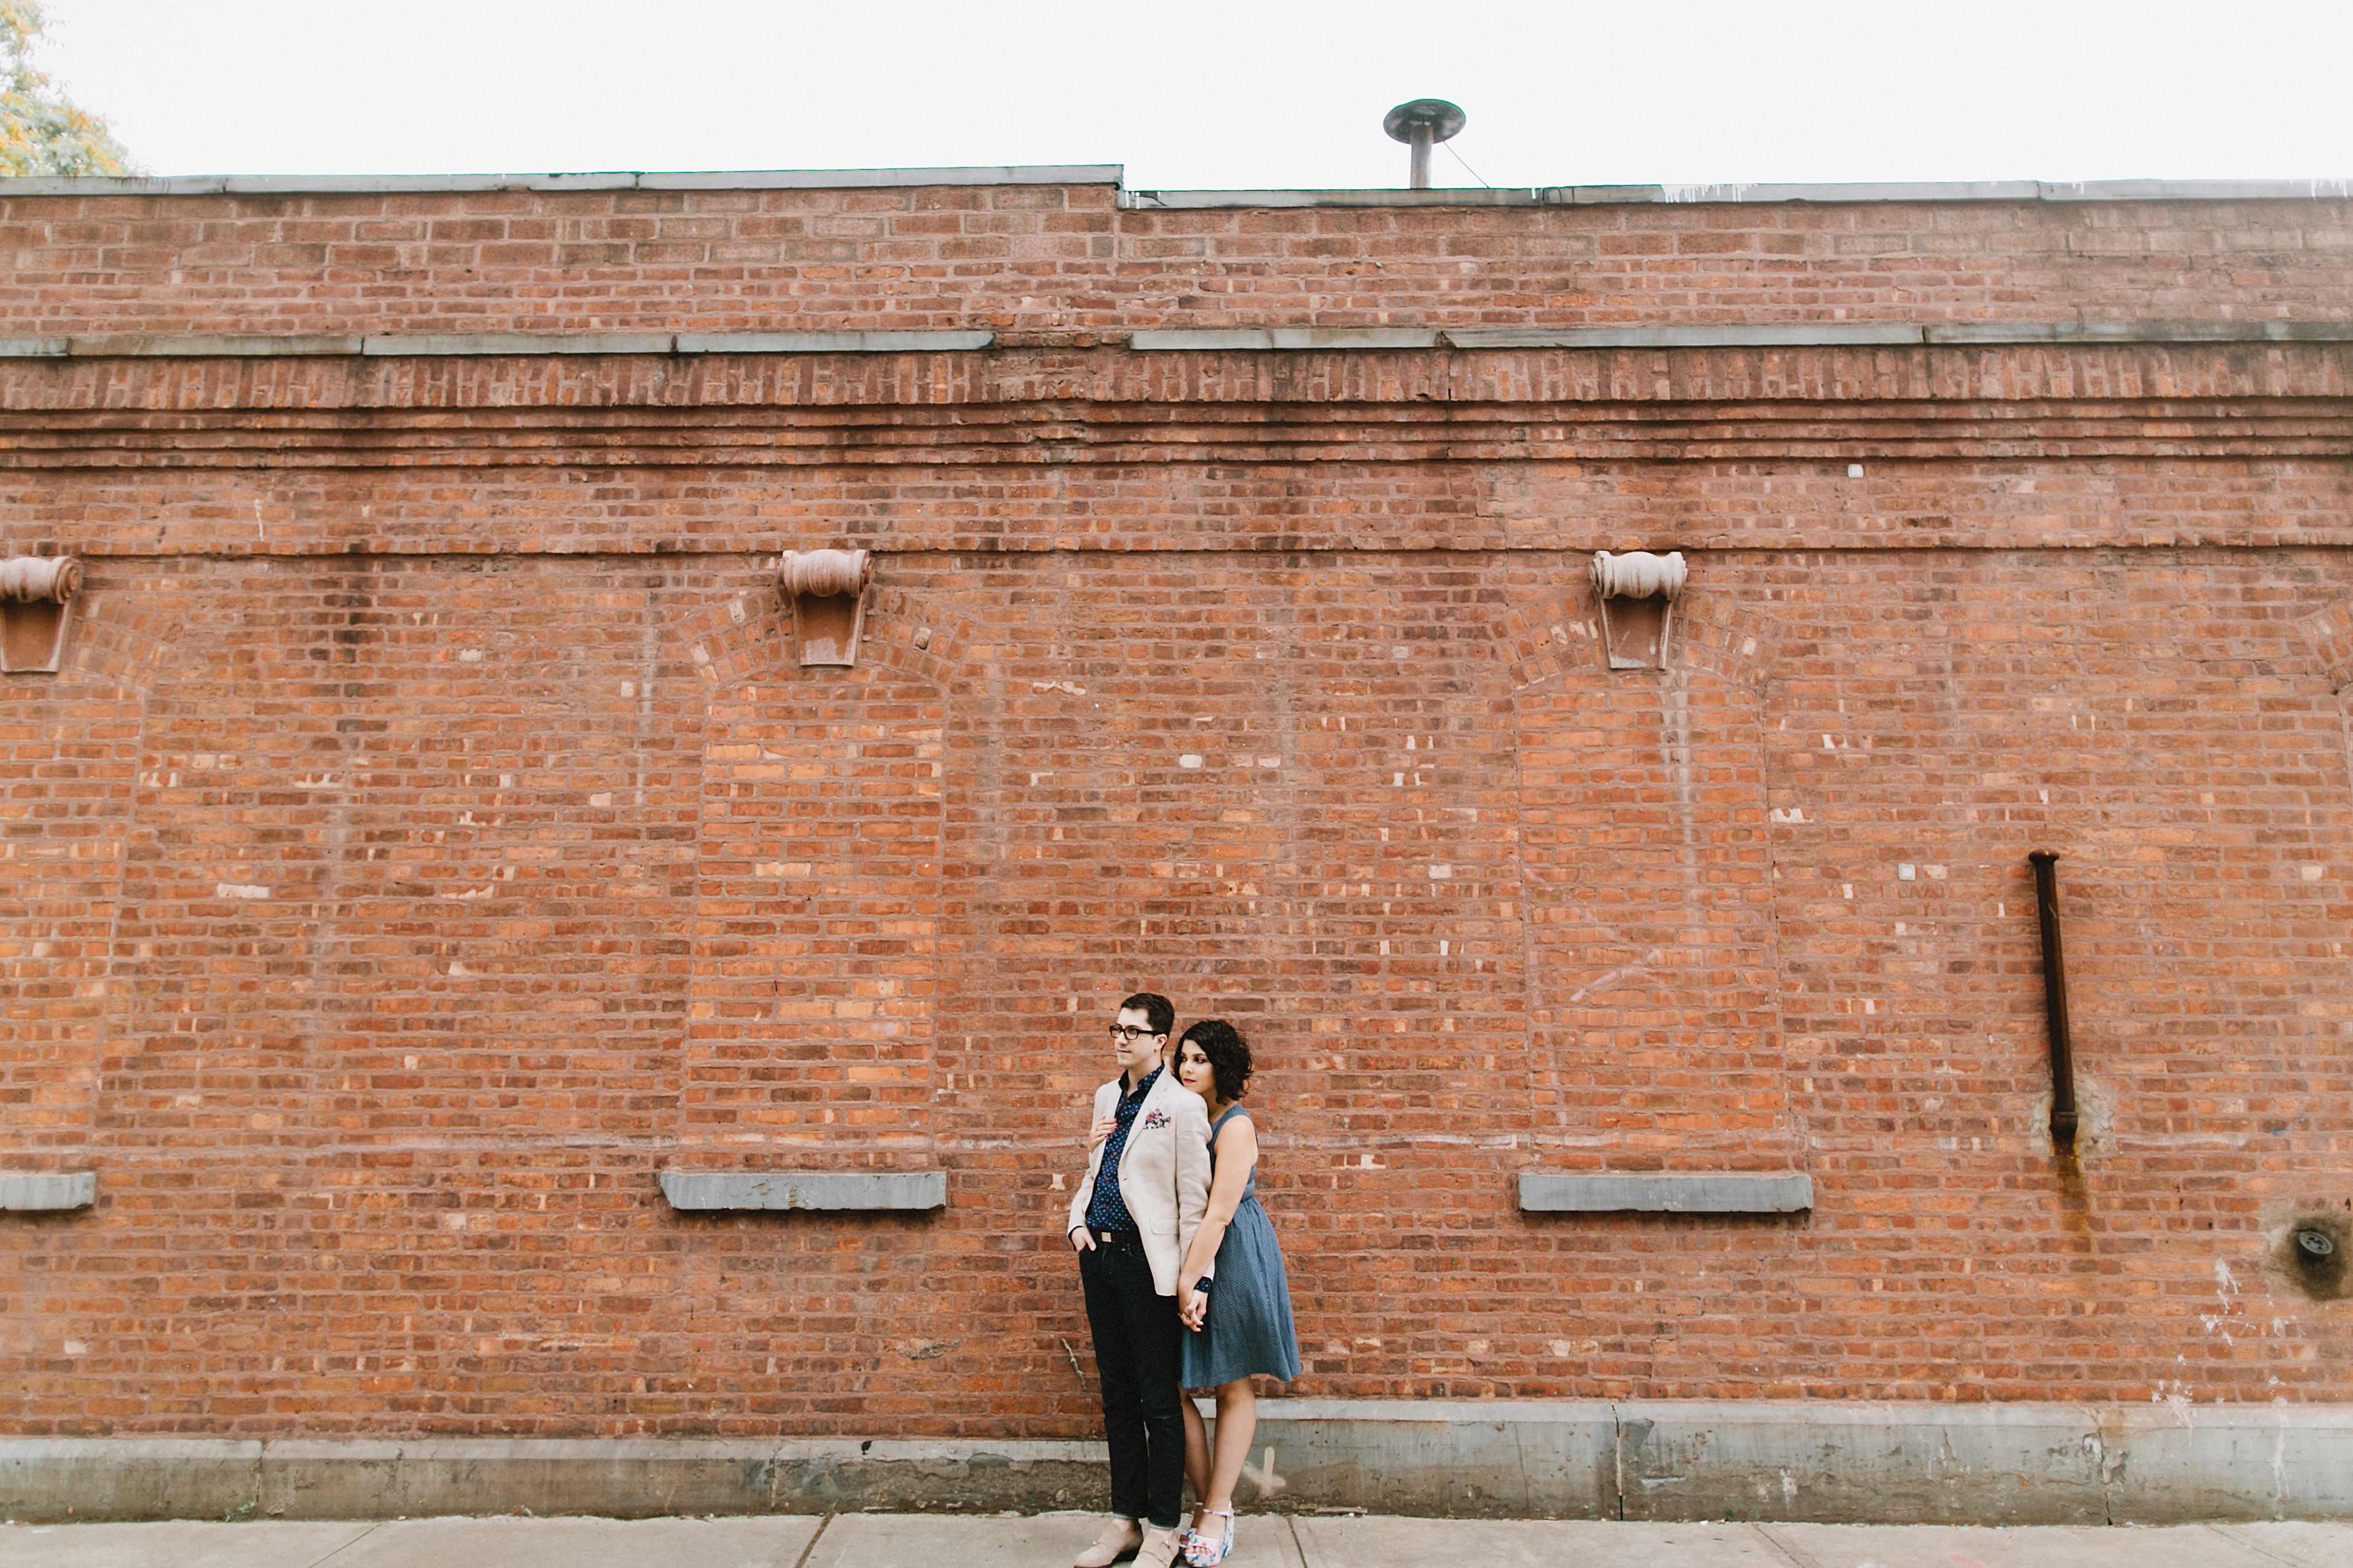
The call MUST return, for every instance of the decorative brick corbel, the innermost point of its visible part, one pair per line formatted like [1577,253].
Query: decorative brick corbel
[1637,592]
[826,589]
[36,597]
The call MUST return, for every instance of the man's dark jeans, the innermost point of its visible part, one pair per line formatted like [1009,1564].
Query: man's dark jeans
[1137,1339]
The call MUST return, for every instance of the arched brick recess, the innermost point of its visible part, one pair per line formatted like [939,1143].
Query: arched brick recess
[1654,1019]
[2330,632]
[69,758]
[750,634]
[365,781]
[1557,633]
[810,1018]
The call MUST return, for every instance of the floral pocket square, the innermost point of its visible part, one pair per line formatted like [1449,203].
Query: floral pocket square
[1155,1119]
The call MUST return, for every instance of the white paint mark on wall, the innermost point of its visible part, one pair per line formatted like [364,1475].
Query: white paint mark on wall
[240,890]
[1623,972]
[1263,1476]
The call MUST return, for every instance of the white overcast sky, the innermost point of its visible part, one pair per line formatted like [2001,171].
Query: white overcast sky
[1223,94]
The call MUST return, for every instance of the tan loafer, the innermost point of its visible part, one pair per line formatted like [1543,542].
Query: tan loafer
[1120,1538]
[1158,1551]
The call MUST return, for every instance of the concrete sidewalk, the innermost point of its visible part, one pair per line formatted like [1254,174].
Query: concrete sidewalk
[1050,1541]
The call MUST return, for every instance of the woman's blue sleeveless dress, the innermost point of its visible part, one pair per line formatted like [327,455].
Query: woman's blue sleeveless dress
[1248,1328]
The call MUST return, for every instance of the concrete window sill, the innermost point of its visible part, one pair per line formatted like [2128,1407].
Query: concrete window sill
[840,1192]
[1711,1192]
[46,1192]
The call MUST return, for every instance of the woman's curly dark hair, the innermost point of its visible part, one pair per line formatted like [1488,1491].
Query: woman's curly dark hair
[1228,1054]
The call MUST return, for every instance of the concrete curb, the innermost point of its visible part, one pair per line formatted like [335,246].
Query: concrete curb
[85,1480]
[1658,1461]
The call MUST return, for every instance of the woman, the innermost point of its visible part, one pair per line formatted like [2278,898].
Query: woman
[1244,1325]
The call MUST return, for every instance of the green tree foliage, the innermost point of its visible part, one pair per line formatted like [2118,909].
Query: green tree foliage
[40,131]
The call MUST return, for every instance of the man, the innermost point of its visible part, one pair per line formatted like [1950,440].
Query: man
[1131,1221]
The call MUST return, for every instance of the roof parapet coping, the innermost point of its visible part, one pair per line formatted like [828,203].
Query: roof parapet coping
[609,180]
[1438,196]
[1701,195]
[2319,189]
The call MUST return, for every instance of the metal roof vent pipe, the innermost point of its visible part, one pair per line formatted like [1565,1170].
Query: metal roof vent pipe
[1422,125]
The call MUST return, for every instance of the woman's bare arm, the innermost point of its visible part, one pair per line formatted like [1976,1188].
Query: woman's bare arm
[1236,1151]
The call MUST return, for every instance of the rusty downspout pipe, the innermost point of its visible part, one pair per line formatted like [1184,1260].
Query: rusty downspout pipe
[2054,998]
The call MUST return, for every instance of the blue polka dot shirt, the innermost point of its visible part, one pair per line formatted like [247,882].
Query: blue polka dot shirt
[1106,1210]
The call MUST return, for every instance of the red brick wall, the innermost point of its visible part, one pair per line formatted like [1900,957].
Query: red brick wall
[434,836]
[1051,261]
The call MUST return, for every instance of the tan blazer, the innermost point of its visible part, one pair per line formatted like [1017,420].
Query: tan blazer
[1163,1173]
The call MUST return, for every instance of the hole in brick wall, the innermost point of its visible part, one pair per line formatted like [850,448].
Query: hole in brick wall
[2312,1255]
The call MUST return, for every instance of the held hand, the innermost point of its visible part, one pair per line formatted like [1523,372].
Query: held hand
[1197,1309]
[1082,1239]
[1102,1128]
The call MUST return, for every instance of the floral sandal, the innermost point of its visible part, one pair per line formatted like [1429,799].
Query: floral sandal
[1209,1551]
